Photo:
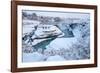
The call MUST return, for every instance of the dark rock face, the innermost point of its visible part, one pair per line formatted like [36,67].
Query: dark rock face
[66,29]
[68,33]
[44,43]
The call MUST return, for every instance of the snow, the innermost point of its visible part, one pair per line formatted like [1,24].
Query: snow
[55,58]
[28,25]
[32,57]
[29,22]
[60,43]
[77,33]
[28,29]
[51,30]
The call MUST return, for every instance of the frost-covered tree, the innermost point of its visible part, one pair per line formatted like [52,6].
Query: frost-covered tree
[57,19]
[24,15]
[34,16]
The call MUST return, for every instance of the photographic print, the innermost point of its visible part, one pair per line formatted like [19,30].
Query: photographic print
[55,36]
[49,37]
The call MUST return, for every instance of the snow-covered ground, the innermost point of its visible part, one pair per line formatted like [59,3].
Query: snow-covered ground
[29,25]
[33,57]
[55,58]
[60,43]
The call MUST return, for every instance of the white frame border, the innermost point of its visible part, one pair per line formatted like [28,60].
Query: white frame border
[41,64]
